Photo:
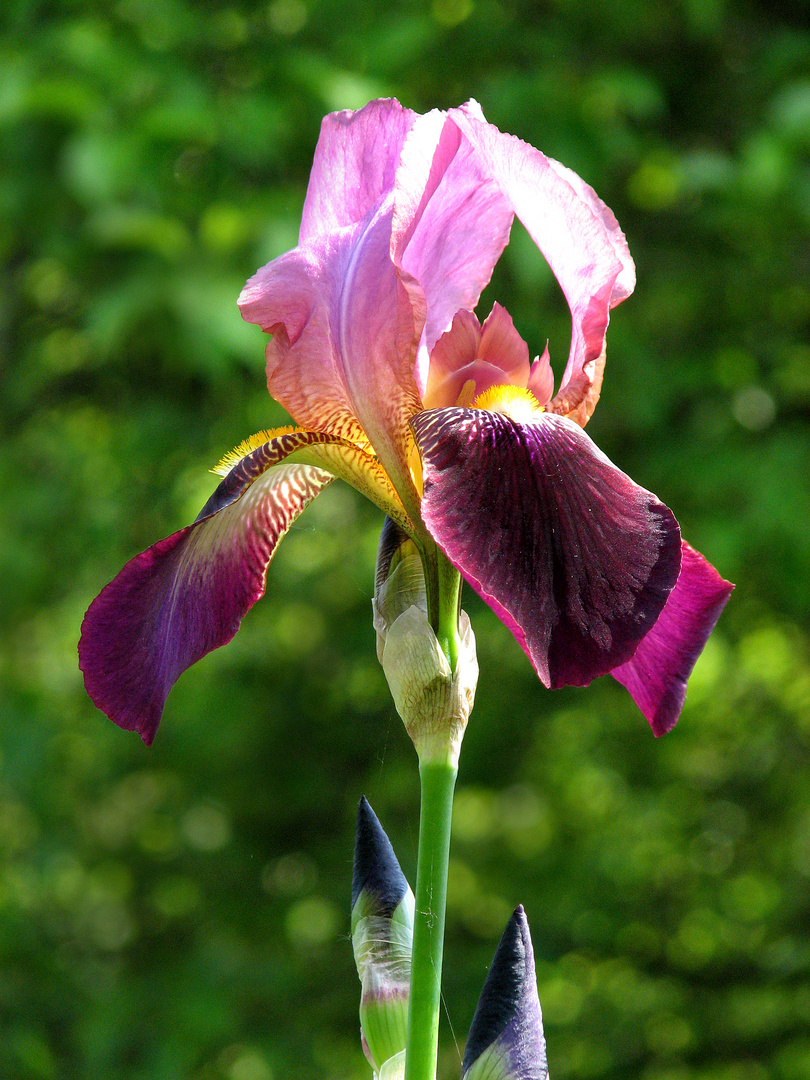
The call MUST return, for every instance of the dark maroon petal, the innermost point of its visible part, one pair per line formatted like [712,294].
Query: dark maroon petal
[656,676]
[186,595]
[575,558]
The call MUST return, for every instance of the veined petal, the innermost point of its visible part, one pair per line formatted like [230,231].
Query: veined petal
[451,221]
[456,349]
[378,330]
[354,165]
[490,355]
[576,559]
[292,298]
[579,237]
[345,334]
[503,346]
[339,457]
[187,594]
[656,676]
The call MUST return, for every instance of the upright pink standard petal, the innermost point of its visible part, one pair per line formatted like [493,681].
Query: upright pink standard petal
[354,167]
[580,239]
[451,222]
[657,674]
[345,329]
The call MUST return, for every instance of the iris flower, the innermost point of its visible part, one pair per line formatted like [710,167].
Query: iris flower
[443,422]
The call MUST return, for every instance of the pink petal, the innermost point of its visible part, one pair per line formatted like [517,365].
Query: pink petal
[455,349]
[344,340]
[292,298]
[186,595]
[451,220]
[354,165]
[576,559]
[503,346]
[345,328]
[657,674]
[575,231]
[492,355]
[541,378]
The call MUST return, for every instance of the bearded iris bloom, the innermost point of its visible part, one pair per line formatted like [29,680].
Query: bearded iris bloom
[443,422]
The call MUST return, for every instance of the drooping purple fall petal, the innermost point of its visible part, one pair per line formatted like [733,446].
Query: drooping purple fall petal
[576,559]
[187,594]
[506,1035]
[580,239]
[657,674]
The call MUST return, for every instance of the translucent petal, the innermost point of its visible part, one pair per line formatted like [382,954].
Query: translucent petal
[579,237]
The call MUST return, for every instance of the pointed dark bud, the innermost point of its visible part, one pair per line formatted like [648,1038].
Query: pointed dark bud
[392,538]
[376,872]
[506,1036]
[382,939]
[399,581]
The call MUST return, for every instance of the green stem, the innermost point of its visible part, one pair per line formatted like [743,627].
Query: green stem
[438,781]
[449,606]
[443,588]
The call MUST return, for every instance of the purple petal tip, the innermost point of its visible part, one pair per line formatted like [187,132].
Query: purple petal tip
[657,674]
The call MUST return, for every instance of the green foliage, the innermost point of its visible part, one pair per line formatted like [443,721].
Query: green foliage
[183,912]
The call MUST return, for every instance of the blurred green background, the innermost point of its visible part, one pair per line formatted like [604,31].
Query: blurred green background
[182,912]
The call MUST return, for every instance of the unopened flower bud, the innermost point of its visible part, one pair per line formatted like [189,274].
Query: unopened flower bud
[399,581]
[433,700]
[506,1038]
[382,935]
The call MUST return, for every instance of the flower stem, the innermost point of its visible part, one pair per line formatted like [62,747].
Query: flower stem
[443,588]
[449,605]
[438,780]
